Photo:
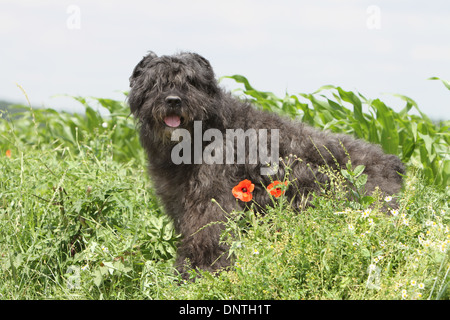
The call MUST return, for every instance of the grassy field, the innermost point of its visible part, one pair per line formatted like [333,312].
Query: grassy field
[79,220]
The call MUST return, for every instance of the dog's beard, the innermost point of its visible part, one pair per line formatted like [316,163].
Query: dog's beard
[167,135]
[161,120]
[163,123]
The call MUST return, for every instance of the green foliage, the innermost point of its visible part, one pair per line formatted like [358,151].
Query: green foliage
[333,251]
[57,130]
[77,225]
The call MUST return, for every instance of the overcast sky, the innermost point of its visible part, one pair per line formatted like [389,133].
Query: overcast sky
[89,48]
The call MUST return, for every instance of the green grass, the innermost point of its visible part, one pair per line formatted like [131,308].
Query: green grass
[79,220]
[60,214]
[333,252]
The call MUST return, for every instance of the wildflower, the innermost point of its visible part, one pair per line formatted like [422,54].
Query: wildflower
[402,245]
[421,286]
[372,267]
[371,223]
[243,191]
[404,294]
[255,251]
[8,153]
[388,199]
[418,295]
[351,227]
[84,267]
[429,223]
[426,243]
[413,283]
[105,249]
[394,212]
[276,192]
[366,213]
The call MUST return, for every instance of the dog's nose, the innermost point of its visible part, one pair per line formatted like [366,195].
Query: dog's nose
[173,101]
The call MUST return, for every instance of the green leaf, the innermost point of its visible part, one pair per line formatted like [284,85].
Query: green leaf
[358,170]
[446,172]
[113,106]
[445,82]
[428,143]
[239,79]
[414,130]
[408,149]
[413,103]
[361,181]
[389,132]
[367,200]
[98,277]
[350,97]
[346,175]
[365,252]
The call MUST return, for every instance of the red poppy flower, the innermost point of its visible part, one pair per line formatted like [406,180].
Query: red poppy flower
[276,192]
[243,191]
[8,153]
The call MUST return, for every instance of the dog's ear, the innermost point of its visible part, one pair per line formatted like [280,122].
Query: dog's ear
[141,66]
[203,61]
[136,93]
[207,73]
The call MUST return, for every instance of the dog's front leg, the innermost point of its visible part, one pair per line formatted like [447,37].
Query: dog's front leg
[200,247]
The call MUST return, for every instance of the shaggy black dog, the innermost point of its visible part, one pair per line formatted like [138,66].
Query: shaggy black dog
[178,102]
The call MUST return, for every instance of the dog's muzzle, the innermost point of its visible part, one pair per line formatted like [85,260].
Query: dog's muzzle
[173,101]
[173,120]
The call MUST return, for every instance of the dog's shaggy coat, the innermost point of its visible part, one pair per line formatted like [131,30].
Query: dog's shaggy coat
[171,92]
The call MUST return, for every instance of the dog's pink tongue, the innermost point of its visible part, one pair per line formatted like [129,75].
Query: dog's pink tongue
[172,121]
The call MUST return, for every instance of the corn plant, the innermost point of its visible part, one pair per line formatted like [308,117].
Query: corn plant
[417,140]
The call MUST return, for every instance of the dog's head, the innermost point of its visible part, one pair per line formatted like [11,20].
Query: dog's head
[171,92]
